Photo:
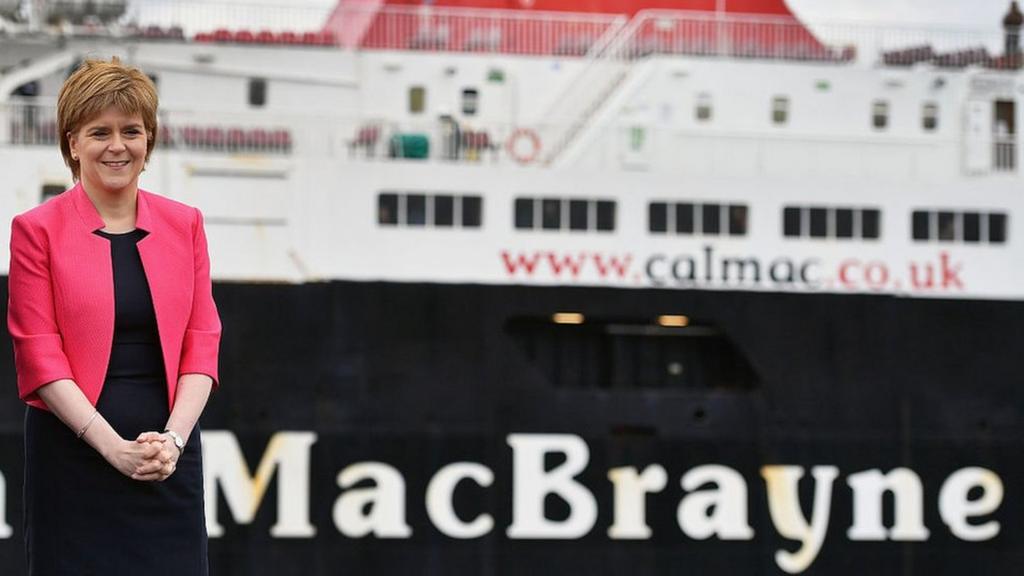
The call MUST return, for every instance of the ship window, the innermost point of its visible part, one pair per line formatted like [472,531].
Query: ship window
[50,190]
[737,220]
[551,213]
[791,221]
[997,228]
[657,217]
[871,224]
[711,219]
[257,92]
[819,222]
[972,227]
[28,89]
[444,210]
[687,218]
[524,213]
[880,114]
[844,223]
[387,209]
[417,99]
[780,110]
[566,214]
[470,101]
[416,210]
[920,221]
[472,211]
[951,226]
[605,215]
[703,107]
[419,210]
[684,218]
[578,214]
[930,116]
[947,227]
[826,222]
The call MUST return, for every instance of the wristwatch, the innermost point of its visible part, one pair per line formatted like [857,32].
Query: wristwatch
[179,442]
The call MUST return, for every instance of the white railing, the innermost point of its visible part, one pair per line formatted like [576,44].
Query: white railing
[35,124]
[711,34]
[368,24]
[1004,153]
[606,68]
[473,30]
[28,124]
[780,37]
[198,16]
[441,141]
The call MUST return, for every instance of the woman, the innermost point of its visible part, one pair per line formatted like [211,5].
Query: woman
[115,340]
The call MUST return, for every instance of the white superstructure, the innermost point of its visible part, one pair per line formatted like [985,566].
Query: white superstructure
[868,164]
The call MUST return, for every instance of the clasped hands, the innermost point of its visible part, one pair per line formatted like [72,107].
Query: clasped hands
[150,457]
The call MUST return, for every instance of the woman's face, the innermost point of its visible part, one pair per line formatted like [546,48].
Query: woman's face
[111,151]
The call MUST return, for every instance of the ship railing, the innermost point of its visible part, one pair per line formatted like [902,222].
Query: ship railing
[1004,153]
[443,29]
[35,124]
[28,123]
[359,138]
[187,19]
[741,36]
[173,20]
[359,25]
[367,24]
[445,140]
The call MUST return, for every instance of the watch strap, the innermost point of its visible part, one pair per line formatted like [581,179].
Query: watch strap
[179,442]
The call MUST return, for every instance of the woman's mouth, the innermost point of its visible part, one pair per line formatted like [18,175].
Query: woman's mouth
[117,164]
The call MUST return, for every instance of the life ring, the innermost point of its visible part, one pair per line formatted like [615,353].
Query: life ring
[512,145]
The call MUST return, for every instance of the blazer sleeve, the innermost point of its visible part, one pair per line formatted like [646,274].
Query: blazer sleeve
[31,320]
[202,334]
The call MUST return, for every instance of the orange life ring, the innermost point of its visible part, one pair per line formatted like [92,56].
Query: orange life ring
[511,146]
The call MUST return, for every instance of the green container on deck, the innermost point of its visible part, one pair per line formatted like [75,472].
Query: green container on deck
[409,146]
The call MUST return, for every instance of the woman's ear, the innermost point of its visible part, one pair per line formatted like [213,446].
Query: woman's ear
[73,145]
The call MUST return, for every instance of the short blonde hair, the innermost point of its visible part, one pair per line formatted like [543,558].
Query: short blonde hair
[96,86]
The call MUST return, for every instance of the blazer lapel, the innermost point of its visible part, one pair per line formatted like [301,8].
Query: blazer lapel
[153,251]
[89,256]
[167,263]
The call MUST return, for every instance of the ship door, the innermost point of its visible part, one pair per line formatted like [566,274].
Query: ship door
[1004,136]
[635,144]
[978,136]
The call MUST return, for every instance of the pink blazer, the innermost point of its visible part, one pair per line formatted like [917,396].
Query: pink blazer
[61,308]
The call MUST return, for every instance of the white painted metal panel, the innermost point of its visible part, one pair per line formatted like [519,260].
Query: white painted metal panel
[978,136]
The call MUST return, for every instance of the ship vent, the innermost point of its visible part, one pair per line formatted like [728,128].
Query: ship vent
[577,351]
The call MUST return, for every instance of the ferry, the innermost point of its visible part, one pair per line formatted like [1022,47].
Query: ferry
[577,286]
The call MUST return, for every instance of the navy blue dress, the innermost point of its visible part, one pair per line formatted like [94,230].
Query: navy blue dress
[82,516]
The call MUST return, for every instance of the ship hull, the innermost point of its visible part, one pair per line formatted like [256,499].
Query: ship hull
[416,377]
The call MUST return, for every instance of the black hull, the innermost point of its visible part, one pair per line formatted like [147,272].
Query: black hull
[422,375]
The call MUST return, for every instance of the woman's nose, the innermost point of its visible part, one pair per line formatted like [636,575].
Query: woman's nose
[116,142]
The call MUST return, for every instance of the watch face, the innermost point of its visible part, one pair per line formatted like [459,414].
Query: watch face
[179,442]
